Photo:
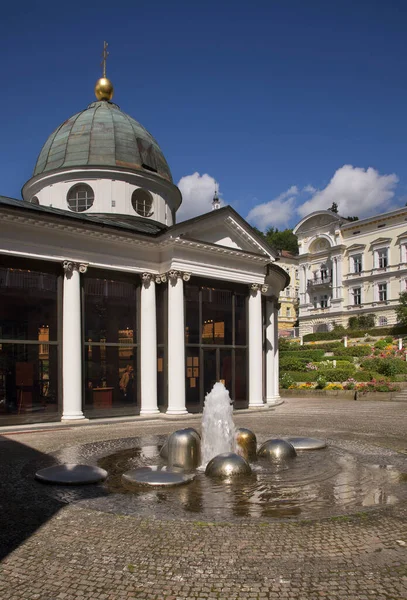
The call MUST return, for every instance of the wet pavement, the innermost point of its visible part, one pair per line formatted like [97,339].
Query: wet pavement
[70,544]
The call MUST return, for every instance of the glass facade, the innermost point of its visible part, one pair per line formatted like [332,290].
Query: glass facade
[215,342]
[29,342]
[110,345]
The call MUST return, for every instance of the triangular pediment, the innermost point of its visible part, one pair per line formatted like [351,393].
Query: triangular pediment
[380,240]
[355,247]
[224,227]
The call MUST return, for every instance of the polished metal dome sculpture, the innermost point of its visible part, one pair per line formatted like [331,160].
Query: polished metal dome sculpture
[184,449]
[227,465]
[246,443]
[277,449]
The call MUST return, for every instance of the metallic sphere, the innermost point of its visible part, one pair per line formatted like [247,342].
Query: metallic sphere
[104,89]
[184,449]
[277,450]
[227,465]
[246,444]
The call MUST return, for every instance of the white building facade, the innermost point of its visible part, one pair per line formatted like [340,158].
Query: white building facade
[350,268]
[107,307]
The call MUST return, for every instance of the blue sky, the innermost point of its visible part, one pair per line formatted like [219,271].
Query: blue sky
[288,104]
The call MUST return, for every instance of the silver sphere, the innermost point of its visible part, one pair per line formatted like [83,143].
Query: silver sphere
[246,444]
[277,450]
[184,449]
[164,447]
[227,465]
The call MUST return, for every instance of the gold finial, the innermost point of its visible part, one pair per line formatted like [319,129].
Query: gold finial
[104,87]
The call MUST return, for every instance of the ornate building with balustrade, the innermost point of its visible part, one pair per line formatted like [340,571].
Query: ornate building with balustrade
[350,268]
[109,307]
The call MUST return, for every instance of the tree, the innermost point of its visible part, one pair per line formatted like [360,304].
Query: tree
[401,309]
[334,208]
[282,240]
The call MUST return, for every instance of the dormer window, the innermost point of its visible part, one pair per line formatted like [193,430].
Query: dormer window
[142,202]
[80,197]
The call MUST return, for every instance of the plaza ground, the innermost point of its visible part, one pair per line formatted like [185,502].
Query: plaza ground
[53,550]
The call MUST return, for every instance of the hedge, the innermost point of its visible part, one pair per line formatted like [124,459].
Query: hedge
[341,359]
[340,364]
[338,335]
[311,376]
[310,355]
[354,351]
[293,364]
[385,366]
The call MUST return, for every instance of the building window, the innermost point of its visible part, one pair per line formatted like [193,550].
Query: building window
[324,301]
[324,273]
[287,291]
[382,321]
[357,263]
[142,202]
[80,197]
[382,292]
[357,296]
[315,302]
[382,260]
[288,312]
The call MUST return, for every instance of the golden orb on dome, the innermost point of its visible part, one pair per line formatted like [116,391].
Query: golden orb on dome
[104,89]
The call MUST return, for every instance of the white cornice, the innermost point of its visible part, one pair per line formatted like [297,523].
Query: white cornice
[196,244]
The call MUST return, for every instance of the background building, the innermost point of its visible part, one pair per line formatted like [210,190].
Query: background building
[350,268]
[289,297]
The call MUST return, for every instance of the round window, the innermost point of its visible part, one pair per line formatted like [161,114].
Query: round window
[80,197]
[142,202]
[34,200]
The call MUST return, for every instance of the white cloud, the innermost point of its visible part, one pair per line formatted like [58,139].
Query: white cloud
[275,213]
[309,189]
[197,195]
[356,191]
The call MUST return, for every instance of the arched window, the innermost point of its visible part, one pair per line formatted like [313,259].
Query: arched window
[382,321]
[34,200]
[142,202]
[80,197]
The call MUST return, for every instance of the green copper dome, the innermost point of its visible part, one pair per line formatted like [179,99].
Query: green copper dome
[102,136]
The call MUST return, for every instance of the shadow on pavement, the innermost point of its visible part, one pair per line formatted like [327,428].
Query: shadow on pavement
[25,504]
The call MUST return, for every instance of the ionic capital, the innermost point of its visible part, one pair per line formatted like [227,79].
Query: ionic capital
[69,266]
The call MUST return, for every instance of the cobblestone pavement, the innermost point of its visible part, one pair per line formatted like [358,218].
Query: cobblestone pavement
[56,551]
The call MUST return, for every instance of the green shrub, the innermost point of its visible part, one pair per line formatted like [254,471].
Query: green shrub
[354,351]
[296,376]
[340,364]
[321,382]
[310,355]
[385,366]
[286,380]
[376,331]
[380,345]
[339,359]
[289,363]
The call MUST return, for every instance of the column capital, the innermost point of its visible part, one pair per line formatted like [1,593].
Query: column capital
[69,266]
[147,277]
[173,275]
[259,287]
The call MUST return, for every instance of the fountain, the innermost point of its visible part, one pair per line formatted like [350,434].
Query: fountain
[218,428]
[225,475]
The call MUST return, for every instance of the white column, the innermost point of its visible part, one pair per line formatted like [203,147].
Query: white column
[271,363]
[255,348]
[276,354]
[334,278]
[72,343]
[339,277]
[148,347]
[176,343]
[303,285]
